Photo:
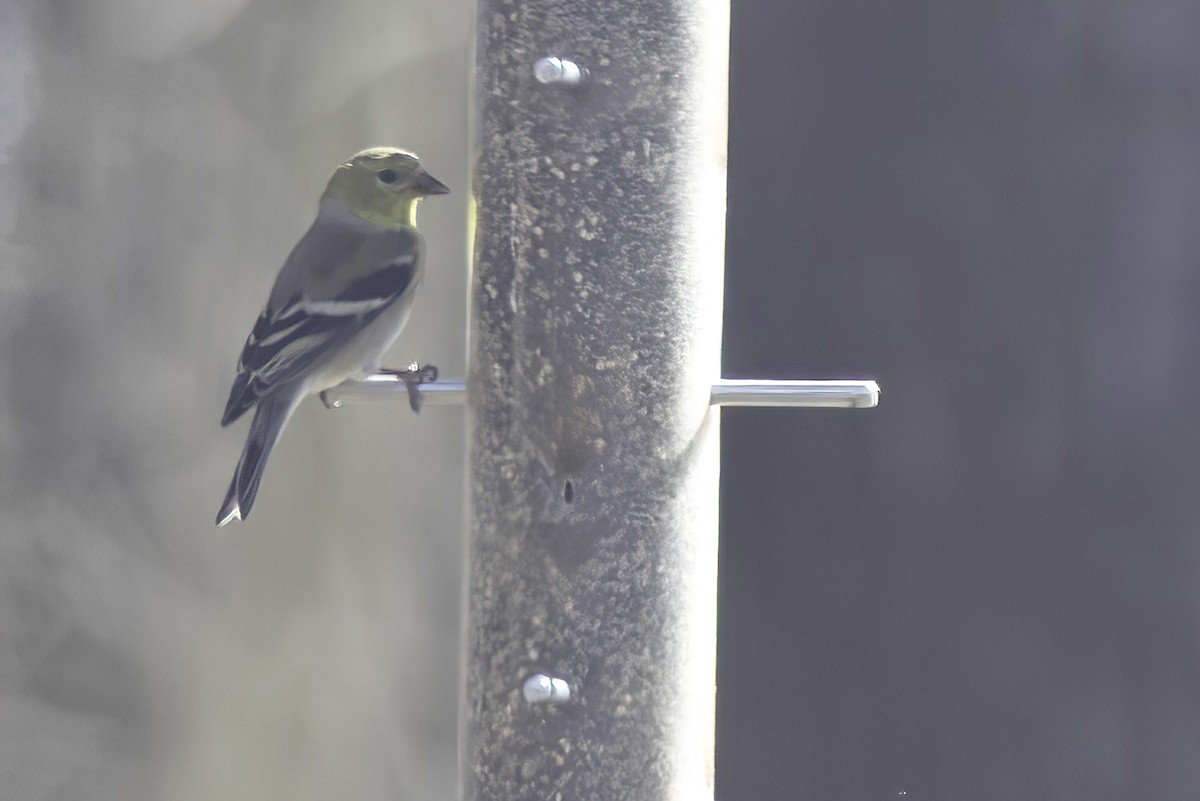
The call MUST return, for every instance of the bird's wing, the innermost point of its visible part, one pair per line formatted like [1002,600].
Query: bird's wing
[315,315]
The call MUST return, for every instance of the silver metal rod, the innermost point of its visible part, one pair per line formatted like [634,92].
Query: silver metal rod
[726,392]
[390,387]
[835,394]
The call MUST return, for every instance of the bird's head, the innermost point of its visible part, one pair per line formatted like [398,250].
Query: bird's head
[383,185]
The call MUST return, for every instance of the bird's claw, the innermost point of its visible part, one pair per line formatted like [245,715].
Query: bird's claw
[325,400]
[427,373]
[413,377]
[416,375]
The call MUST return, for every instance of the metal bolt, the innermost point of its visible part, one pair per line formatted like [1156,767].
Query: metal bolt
[552,69]
[542,689]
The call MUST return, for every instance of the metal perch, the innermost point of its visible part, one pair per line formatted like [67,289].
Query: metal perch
[726,392]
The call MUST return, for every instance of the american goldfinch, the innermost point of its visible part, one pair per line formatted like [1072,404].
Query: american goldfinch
[338,303]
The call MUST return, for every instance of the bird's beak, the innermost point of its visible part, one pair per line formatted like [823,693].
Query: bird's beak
[430,185]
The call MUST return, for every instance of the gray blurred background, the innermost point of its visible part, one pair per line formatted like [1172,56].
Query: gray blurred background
[157,161]
[988,589]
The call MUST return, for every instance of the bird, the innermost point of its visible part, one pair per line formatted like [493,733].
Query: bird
[341,298]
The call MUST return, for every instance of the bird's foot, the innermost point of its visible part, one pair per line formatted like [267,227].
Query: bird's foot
[329,404]
[413,376]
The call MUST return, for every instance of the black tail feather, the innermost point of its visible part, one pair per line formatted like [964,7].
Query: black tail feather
[269,419]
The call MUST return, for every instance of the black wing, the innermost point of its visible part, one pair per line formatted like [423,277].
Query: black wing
[285,344]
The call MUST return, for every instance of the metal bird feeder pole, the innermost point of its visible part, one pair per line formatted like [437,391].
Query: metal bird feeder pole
[596,306]
[595,356]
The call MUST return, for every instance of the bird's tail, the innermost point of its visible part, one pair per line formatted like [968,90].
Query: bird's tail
[269,419]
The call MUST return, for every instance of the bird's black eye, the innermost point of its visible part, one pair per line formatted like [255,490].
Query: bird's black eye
[387,176]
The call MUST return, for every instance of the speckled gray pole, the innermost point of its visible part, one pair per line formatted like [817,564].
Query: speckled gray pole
[596,305]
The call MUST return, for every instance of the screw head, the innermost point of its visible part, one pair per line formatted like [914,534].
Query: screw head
[542,689]
[552,69]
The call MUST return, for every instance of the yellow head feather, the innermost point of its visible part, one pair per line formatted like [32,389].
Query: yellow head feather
[383,185]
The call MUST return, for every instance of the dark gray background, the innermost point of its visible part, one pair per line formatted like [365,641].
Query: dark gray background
[989,587]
